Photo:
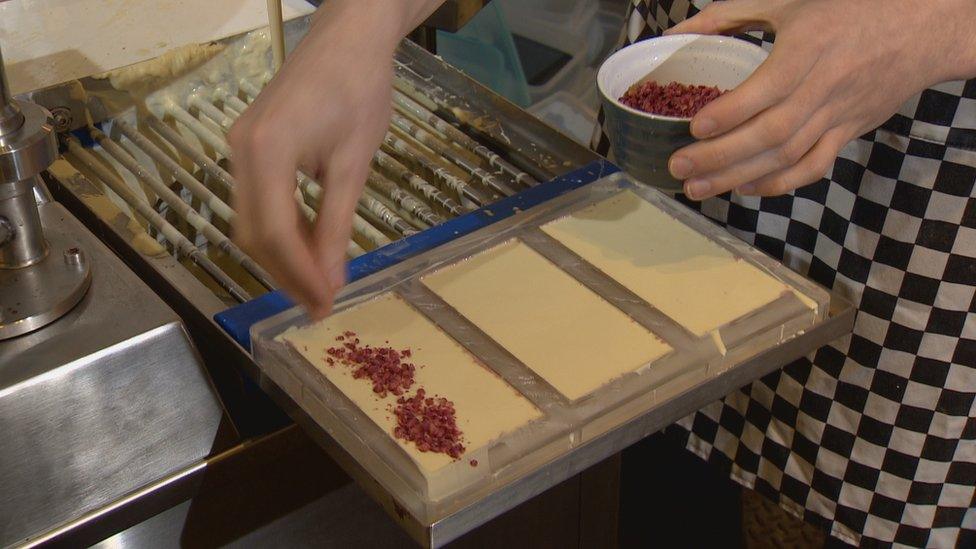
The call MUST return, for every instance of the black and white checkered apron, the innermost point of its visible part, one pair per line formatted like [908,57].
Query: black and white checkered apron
[872,437]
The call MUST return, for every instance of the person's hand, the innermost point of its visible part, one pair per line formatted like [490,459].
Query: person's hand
[838,69]
[325,113]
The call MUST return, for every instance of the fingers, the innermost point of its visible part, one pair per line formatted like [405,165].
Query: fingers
[811,168]
[774,80]
[751,151]
[345,176]
[732,16]
[268,224]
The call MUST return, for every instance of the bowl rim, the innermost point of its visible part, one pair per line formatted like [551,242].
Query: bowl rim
[650,43]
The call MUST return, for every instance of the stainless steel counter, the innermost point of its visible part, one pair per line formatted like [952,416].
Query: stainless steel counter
[105,400]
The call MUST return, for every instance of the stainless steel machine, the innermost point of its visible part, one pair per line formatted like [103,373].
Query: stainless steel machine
[96,372]
[43,276]
[109,414]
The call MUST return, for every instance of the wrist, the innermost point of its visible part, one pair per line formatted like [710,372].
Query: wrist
[365,25]
[373,25]
[957,46]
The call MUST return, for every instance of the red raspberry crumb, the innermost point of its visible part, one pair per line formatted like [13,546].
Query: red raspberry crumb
[383,366]
[430,423]
[473,462]
[674,99]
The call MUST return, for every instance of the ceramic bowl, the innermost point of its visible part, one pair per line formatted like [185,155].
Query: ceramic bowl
[641,143]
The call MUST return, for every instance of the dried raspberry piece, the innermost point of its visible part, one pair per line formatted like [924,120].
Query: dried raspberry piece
[674,99]
[430,423]
[383,366]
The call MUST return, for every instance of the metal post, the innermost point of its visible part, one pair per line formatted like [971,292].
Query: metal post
[43,288]
[25,150]
[11,119]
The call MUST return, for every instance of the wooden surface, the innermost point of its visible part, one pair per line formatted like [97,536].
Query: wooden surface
[453,14]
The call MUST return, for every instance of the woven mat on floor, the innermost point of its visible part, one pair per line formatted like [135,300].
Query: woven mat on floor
[767,526]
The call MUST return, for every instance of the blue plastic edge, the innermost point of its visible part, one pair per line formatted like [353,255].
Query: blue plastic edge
[237,320]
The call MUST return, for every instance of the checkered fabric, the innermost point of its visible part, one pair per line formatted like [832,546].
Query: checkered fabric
[873,437]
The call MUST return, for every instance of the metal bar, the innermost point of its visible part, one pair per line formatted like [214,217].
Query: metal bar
[402,198]
[307,185]
[203,161]
[359,225]
[436,145]
[11,119]
[182,244]
[453,182]
[214,170]
[208,108]
[220,145]
[185,178]
[386,215]
[232,101]
[217,142]
[524,140]
[409,106]
[676,335]
[425,138]
[184,210]
[498,359]
[417,183]
[249,88]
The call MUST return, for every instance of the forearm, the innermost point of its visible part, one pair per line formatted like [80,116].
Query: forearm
[952,26]
[967,27]
[382,22]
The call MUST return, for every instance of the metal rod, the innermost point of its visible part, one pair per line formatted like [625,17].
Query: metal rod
[456,184]
[249,88]
[214,170]
[354,250]
[208,108]
[231,101]
[203,161]
[414,181]
[426,138]
[218,206]
[184,210]
[181,243]
[408,105]
[417,183]
[314,190]
[219,144]
[11,119]
[387,216]
[385,187]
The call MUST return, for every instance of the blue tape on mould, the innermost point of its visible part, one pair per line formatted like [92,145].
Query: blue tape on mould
[237,321]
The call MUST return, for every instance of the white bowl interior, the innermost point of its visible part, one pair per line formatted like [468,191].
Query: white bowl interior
[688,58]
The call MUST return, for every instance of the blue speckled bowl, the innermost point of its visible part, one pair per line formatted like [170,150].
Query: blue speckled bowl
[642,143]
